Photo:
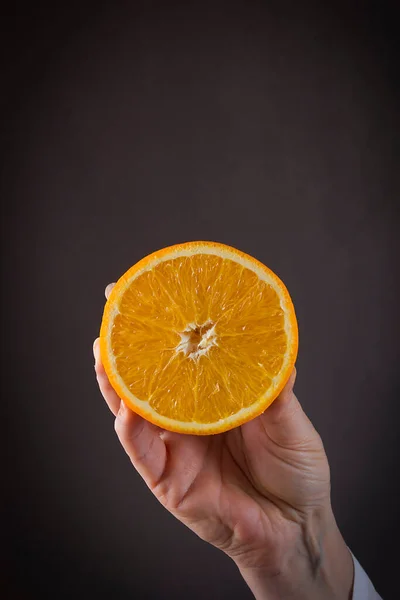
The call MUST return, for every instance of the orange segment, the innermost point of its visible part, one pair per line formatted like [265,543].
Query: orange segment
[199,337]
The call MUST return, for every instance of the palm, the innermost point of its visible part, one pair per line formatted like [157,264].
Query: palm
[241,487]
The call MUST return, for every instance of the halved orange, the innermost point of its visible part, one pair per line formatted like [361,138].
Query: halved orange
[199,337]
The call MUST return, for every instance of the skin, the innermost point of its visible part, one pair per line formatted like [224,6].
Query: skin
[260,493]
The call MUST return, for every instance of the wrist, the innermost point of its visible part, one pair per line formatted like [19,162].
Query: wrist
[316,565]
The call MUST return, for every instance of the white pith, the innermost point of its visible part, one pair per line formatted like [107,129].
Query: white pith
[208,339]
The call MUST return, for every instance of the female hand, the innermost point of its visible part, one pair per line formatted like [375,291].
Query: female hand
[260,493]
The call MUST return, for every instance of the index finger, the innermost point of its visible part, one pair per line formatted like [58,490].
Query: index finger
[106,389]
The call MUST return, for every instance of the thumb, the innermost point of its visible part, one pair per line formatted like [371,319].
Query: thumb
[285,422]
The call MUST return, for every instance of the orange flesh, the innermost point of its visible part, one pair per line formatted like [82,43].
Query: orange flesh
[199,338]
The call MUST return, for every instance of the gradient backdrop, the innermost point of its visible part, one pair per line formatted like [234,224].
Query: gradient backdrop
[128,127]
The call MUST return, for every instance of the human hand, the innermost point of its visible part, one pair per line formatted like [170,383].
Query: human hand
[260,493]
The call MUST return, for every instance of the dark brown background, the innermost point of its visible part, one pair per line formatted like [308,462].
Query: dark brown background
[127,129]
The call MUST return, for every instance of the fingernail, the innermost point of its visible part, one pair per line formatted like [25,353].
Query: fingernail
[122,408]
[108,289]
[95,348]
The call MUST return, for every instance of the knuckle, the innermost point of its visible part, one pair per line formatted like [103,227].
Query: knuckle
[162,492]
[99,370]
[119,425]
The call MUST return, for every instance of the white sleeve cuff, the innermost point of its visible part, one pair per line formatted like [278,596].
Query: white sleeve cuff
[363,588]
